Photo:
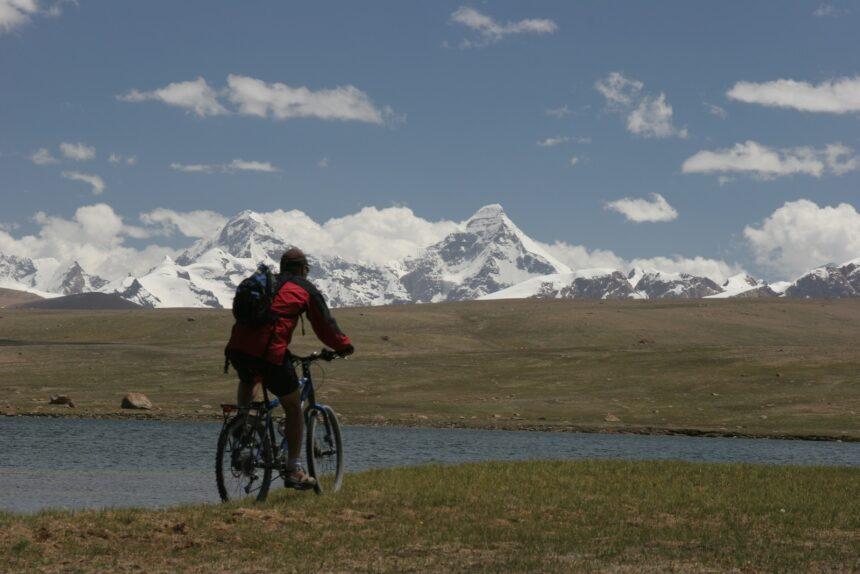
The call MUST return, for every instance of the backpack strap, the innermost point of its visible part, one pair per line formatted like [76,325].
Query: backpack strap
[300,315]
[226,360]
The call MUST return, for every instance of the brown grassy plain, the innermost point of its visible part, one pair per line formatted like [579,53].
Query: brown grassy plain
[747,367]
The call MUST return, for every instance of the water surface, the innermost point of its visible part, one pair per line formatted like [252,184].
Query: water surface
[85,463]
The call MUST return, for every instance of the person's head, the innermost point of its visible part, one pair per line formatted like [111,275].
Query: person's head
[294,262]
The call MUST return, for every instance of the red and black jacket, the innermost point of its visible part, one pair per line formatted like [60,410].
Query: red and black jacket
[271,342]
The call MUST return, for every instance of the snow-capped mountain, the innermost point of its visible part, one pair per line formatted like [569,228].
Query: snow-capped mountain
[131,290]
[46,277]
[611,284]
[16,272]
[207,273]
[489,254]
[661,285]
[487,257]
[744,286]
[581,284]
[75,281]
[828,282]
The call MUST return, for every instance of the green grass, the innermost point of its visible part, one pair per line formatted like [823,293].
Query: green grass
[749,367]
[493,517]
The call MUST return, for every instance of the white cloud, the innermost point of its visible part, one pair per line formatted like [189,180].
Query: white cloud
[716,110]
[647,116]
[117,159]
[767,163]
[323,163]
[94,236]
[829,10]
[641,210]
[618,90]
[713,269]
[232,167]
[200,223]
[77,151]
[96,183]
[801,235]
[372,235]
[250,165]
[837,96]
[490,30]
[652,118]
[573,161]
[43,157]
[15,13]
[192,168]
[257,98]
[195,96]
[560,112]
[553,141]
[841,159]
[580,257]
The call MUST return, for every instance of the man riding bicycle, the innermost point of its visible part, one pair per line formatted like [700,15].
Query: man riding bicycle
[264,351]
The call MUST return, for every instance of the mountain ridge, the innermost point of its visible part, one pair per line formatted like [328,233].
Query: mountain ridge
[487,257]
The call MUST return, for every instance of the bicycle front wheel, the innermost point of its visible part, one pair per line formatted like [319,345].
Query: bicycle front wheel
[324,450]
[243,461]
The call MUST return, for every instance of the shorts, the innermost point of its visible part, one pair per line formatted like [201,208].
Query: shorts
[280,380]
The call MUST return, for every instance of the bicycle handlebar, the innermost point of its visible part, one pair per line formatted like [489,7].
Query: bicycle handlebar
[321,355]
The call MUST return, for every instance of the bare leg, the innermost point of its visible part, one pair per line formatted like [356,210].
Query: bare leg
[247,392]
[292,404]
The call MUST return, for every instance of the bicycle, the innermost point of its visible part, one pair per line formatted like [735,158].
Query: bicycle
[246,459]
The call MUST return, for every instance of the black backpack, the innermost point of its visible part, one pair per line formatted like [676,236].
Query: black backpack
[252,304]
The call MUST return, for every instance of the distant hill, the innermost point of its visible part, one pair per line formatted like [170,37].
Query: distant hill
[82,301]
[13,297]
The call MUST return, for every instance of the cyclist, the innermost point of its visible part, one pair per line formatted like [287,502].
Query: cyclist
[265,351]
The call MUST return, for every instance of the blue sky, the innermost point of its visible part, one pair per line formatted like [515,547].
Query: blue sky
[451,100]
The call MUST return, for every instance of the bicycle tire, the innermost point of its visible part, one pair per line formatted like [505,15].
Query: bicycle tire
[238,443]
[324,450]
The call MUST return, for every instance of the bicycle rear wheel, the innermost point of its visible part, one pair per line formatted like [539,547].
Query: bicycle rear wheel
[243,461]
[324,450]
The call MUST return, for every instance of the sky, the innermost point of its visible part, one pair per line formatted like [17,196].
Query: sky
[709,134]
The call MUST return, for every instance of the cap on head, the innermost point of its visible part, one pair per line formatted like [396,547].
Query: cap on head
[293,260]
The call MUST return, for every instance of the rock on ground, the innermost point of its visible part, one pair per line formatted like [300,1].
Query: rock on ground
[62,400]
[136,401]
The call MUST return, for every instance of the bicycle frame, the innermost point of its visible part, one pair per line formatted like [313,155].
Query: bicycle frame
[258,417]
[307,401]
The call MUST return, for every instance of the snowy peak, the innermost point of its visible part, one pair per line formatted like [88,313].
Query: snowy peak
[580,284]
[660,285]
[248,236]
[245,236]
[744,286]
[130,289]
[76,281]
[490,253]
[828,282]
[16,272]
[487,220]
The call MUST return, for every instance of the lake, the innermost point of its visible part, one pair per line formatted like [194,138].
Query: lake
[88,463]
